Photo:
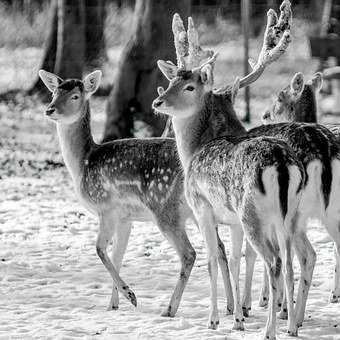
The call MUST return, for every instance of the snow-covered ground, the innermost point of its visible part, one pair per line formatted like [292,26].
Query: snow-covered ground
[53,286]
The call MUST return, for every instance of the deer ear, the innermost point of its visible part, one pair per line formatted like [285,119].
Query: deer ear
[167,68]
[234,89]
[207,75]
[50,80]
[297,84]
[92,81]
[317,81]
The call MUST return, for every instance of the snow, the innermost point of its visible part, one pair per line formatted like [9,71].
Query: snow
[53,285]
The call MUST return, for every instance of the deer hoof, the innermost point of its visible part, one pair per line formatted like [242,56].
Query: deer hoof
[283,315]
[263,302]
[168,313]
[293,332]
[213,321]
[334,298]
[238,325]
[130,295]
[230,310]
[245,311]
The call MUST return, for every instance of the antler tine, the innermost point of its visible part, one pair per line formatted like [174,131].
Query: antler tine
[210,61]
[196,53]
[273,46]
[180,40]
[285,19]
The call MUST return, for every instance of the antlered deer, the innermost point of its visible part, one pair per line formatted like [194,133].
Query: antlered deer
[252,184]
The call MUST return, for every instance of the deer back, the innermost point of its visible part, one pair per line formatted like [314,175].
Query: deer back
[147,170]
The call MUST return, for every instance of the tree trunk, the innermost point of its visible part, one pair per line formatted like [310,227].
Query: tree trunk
[138,76]
[69,61]
[50,50]
[64,52]
[95,51]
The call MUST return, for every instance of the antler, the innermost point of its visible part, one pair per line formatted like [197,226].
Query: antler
[188,51]
[273,46]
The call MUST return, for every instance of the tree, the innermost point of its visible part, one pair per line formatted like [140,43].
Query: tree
[70,55]
[50,49]
[138,77]
[71,44]
[95,51]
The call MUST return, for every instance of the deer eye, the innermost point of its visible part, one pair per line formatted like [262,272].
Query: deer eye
[75,97]
[189,88]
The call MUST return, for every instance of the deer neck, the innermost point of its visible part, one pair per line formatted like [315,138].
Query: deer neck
[216,118]
[76,142]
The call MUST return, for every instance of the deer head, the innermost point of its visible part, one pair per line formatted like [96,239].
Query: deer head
[192,77]
[70,96]
[293,102]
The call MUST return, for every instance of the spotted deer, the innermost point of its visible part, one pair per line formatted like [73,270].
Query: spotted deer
[252,184]
[318,150]
[297,102]
[124,181]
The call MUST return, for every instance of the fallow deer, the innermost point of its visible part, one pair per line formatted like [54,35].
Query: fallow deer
[123,181]
[297,102]
[318,149]
[252,184]
[146,172]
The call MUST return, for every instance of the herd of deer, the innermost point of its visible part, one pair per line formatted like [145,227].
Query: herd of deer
[265,183]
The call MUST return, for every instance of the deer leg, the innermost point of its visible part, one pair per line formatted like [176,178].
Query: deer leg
[288,276]
[272,261]
[335,294]
[280,292]
[271,266]
[264,294]
[307,257]
[282,305]
[224,267]
[250,264]
[236,246]
[104,236]
[333,227]
[176,235]
[205,219]
[269,251]
[120,240]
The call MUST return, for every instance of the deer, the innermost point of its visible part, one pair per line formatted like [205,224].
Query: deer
[297,102]
[124,181]
[317,146]
[187,97]
[102,174]
[252,184]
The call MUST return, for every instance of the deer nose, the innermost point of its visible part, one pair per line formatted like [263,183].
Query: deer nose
[157,103]
[49,110]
